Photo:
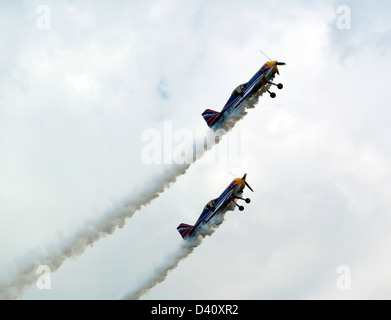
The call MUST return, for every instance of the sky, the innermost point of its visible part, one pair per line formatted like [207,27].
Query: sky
[84,83]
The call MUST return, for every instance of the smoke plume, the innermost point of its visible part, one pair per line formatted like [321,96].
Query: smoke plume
[171,261]
[115,217]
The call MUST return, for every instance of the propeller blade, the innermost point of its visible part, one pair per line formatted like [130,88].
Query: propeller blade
[248,186]
[281,63]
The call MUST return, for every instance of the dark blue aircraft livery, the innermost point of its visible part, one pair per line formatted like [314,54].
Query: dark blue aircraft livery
[263,77]
[216,206]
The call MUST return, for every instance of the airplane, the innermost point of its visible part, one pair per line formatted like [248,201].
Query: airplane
[215,206]
[259,81]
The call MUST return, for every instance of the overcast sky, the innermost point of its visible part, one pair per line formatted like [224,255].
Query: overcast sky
[78,91]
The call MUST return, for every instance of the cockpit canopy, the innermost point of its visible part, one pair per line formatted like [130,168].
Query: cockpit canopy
[210,204]
[239,89]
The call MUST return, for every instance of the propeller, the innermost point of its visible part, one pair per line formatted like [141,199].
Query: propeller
[280,64]
[248,186]
[244,179]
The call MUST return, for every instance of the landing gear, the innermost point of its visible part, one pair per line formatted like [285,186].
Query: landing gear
[279,86]
[241,208]
[272,94]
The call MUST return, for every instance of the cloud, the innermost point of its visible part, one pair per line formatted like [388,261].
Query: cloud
[75,100]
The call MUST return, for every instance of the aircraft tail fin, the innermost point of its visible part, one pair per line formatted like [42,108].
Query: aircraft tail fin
[184,229]
[210,116]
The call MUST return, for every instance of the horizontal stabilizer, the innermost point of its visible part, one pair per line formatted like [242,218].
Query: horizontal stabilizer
[210,116]
[184,229]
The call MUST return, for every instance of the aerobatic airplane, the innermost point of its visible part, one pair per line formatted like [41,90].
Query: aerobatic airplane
[259,81]
[215,206]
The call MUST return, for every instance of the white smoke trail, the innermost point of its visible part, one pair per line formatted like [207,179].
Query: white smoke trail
[186,247]
[171,261]
[91,231]
[25,275]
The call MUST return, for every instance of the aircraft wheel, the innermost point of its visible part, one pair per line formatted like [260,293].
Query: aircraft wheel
[241,208]
[248,200]
[272,95]
[280,86]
